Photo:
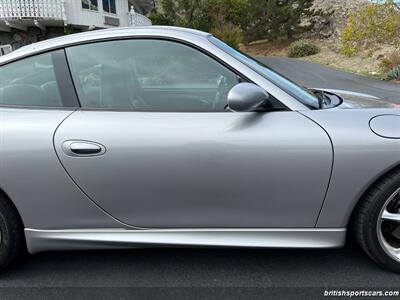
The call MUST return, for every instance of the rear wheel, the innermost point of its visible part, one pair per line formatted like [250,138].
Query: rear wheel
[377,222]
[12,241]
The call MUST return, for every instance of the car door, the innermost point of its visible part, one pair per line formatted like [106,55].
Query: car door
[34,99]
[154,146]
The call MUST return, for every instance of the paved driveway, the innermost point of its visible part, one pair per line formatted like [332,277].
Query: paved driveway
[317,76]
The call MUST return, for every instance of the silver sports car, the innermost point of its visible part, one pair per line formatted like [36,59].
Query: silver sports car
[165,136]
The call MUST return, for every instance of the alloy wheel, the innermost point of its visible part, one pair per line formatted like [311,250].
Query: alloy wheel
[388,226]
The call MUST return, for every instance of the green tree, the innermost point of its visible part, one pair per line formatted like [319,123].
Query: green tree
[224,18]
[184,13]
[228,17]
[276,18]
[236,12]
[252,19]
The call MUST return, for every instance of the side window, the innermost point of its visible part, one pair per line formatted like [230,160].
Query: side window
[30,82]
[152,75]
[90,4]
[109,6]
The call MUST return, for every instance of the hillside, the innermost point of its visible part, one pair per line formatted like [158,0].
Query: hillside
[336,13]
[327,35]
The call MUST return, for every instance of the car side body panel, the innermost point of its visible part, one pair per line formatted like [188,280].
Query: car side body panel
[202,179]
[360,158]
[91,239]
[201,170]
[32,176]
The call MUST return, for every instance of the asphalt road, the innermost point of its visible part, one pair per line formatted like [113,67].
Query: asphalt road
[196,272]
[317,76]
[208,269]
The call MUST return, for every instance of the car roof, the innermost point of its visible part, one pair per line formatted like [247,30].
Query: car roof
[120,32]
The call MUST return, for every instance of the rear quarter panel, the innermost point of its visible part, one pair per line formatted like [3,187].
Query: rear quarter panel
[32,176]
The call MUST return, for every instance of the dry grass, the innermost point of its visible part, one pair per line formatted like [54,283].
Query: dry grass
[266,48]
[390,61]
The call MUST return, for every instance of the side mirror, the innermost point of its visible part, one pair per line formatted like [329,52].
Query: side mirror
[246,97]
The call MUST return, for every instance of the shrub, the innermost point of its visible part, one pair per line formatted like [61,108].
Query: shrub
[302,48]
[229,33]
[394,74]
[371,25]
[390,61]
[68,29]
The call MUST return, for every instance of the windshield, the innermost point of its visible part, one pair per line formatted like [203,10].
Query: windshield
[303,95]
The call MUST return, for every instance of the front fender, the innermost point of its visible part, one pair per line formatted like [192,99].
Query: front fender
[360,158]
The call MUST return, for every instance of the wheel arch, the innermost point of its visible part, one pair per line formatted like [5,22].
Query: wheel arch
[4,197]
[384,174]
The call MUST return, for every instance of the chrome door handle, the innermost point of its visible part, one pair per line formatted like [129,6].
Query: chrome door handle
[83,148]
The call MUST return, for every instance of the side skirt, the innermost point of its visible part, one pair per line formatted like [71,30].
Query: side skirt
[90,239]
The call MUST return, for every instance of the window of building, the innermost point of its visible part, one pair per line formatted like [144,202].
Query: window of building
[109,6]
[90,4]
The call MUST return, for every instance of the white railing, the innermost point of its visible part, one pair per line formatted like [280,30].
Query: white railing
[36,9]
[136,19]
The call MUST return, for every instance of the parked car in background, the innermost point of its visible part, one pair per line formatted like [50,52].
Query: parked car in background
[167,136]
[5,49]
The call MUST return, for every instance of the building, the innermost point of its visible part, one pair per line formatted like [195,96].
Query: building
[26,21]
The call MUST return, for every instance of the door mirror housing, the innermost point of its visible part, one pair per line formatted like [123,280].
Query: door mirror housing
[245,97]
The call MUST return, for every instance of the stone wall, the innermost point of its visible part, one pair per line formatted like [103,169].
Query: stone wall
[334,16]
[18,39]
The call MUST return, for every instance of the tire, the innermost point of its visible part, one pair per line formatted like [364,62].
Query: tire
[367,226]
[12,240]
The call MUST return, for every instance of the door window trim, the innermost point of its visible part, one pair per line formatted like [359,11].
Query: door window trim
[178,41]
[63,78]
